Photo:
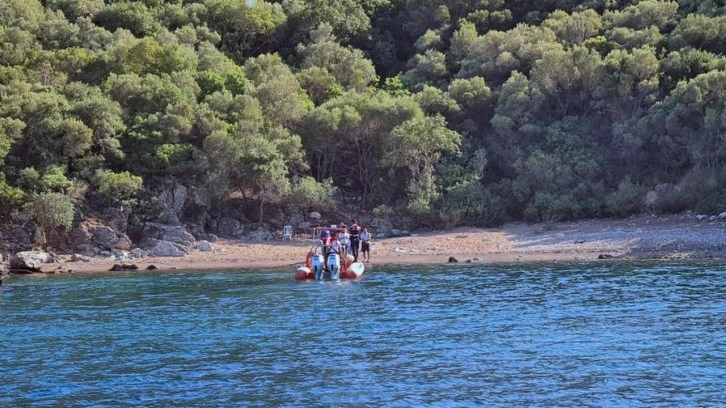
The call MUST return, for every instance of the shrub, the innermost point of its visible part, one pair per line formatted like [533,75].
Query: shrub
[118,186]
[382,211]
[468,204]
[627,200]
[10,197]
[50,211]
[310,194]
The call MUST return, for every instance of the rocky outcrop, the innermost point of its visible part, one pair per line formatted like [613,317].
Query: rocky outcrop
[230,227]
[30,261]
[259,235]
[3,267]
[92,237]
[170,204]
[170,233]
[166,248]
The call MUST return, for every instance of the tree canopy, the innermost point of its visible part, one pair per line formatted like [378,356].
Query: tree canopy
[451,112]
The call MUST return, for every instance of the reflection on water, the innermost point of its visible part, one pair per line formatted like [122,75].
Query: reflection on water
[544,335]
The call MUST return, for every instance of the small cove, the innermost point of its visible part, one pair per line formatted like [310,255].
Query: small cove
[612,334]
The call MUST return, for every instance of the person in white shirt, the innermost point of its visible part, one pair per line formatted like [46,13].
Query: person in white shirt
[365,245]
[344,239]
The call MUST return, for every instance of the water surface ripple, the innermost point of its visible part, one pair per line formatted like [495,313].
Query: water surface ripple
[536,335]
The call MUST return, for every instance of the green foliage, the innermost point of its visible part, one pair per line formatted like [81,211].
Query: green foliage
[51,210]
[349,67]
[466,203]
[451,112]
[627,200]
[10,197]
[118,186]
[134,16]
[309,194]
[54,179]
[244,29]
[382,211]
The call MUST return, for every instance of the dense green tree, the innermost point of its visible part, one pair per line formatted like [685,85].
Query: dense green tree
[416,146]
[429,68]
[246,28]
[575,28]
[458,112]
[496,54]
[134,16]
[349,67]
[690,123]
[74,9]
[277,89]
[346,18]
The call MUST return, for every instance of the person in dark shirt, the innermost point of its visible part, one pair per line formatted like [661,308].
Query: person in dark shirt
[354,231]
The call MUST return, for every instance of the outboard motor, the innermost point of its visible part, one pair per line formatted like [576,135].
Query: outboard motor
[334,265]
[317,262]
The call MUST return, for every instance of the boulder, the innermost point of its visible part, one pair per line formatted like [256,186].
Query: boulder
[170,203]
[314,215]
[108,238]
[260,235]
[170,233]
[102,235]
[30,260]
[166,248]
[87,250]
[205,246]
[80,258]
[230,227]
[208,237]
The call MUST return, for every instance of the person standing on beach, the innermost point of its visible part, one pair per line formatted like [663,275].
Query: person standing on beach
[354,231]
[365,245]
[344,239]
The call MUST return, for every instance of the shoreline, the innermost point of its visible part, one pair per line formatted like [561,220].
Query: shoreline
[644,238]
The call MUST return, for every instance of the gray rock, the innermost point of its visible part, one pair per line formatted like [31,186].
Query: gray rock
[103,236]
[260,235]
[138,253]
[168,216]
[314,215]
[230,227]
[722,215]
[208,237]
[80,258]
[205,246]
[30,260]
[166,248]
[198,197]
[87,249]
[122,243]
[170,233]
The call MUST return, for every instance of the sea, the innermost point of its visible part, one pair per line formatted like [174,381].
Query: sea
[607,334]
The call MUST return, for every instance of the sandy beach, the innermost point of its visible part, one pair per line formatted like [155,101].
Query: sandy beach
[642,237]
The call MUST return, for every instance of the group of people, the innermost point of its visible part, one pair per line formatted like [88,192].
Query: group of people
[347,239]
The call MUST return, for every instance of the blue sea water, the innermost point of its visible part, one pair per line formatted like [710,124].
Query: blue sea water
[600,335]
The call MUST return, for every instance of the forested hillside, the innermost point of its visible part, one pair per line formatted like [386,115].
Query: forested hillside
[442,112]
